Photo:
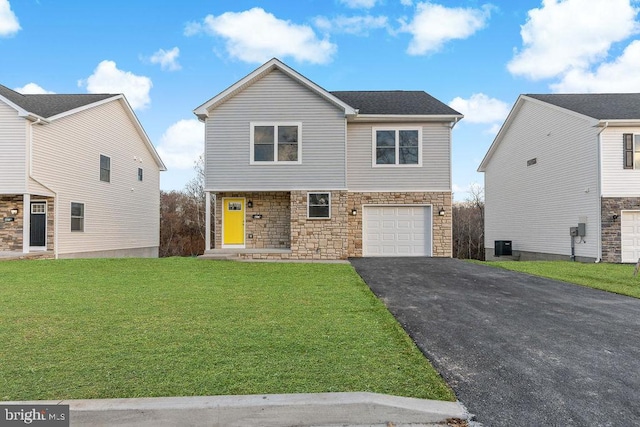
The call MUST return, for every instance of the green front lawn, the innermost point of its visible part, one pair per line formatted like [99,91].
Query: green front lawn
[617,278]
[78,329]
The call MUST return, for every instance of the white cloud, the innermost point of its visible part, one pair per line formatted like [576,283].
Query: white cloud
[182,143]
[357,25]
[168,59]
[9,24]
[481,109]
[433,25]
[359,4]
[621,75]
[406,2]
[107,78]
[563,35]
[257,36]
[32,89]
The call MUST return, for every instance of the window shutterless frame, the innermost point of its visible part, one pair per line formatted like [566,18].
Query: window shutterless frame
[77,216]
[105,168]
[396,146]
[319,205]
[275,143]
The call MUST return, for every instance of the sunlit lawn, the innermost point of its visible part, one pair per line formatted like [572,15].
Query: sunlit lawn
[76,329]
[616,278]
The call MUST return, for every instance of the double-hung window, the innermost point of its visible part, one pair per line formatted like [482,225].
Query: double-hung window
[77,216]
[397,146]
[273,143]
[631,148]
[105,168]
[319,205]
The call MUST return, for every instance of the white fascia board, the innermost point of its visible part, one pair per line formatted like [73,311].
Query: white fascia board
[386,118]
[22,112]
[203,110]
[273,189]
[132,116]
[619,123]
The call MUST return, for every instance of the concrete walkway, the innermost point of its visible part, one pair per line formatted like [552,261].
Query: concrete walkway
[323,409]
[518,350]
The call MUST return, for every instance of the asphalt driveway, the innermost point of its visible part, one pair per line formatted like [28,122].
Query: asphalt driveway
[518,349]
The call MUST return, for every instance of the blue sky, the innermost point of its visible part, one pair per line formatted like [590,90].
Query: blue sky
[170,57]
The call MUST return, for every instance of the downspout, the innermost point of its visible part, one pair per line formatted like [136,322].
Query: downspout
[599,191]
[55,194]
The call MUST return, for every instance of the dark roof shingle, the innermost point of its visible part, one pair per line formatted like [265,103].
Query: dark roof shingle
[601,106]
[48,105]
[394,102]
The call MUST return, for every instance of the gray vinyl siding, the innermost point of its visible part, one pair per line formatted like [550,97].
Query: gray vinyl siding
[534,206]
[433,175]
[13,151]
[121,214]
[275,98]
[617,181]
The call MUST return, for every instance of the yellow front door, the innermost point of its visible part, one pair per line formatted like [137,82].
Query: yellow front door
[233,222]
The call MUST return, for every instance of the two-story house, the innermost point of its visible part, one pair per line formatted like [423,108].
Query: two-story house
[297,172]
[562,178]
[78,177]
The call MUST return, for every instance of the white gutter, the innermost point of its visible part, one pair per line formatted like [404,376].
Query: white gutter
[599,190]
[55,194]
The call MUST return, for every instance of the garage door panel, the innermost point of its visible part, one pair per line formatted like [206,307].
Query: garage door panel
[397,231]
[630,236]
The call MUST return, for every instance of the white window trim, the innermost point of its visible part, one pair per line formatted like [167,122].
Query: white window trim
[275,161]
[140,174]
[71,216]
[397,129]
[309,205]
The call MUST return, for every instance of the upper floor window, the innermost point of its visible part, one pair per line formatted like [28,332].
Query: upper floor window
[105,168]
[397,146]
[631,147]
[276,142]
[140,173]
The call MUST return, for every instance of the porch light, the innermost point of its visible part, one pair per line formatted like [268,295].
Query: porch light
[250,204]
[14,211]
[354,212]
[441,213]
[614,217]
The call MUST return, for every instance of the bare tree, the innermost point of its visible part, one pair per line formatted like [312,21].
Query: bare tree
[182,217]
[468,225]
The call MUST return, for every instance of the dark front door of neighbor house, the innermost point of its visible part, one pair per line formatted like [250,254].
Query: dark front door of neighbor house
[38,235]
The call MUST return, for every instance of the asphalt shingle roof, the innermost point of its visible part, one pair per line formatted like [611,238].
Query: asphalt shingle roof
[394,102]
[48,105]
[601,106]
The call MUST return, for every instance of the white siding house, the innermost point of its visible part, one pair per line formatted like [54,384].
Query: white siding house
[297,172]
[556,163]
[60,203]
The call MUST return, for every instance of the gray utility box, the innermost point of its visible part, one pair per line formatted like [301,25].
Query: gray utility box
[502,248]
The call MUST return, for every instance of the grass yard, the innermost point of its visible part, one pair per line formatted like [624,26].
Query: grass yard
[80,329]
[617,278]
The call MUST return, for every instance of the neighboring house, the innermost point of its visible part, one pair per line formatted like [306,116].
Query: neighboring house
[301,173]
[78,177]
[560,161]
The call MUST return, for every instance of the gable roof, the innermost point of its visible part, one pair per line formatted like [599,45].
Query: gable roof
[600,106]
[203,110]
[49,105]
[52,106]
[395,102]
[363,105]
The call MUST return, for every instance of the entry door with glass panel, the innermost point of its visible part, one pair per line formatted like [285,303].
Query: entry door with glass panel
[38,225]
[233,222]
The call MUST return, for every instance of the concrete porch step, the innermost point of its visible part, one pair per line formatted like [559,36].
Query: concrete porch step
[240,254]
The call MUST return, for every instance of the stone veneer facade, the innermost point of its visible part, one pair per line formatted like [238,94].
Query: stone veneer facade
[611,229]
[11,232]
[284,223]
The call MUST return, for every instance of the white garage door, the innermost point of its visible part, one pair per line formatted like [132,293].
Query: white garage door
[630,227]
[397,231]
